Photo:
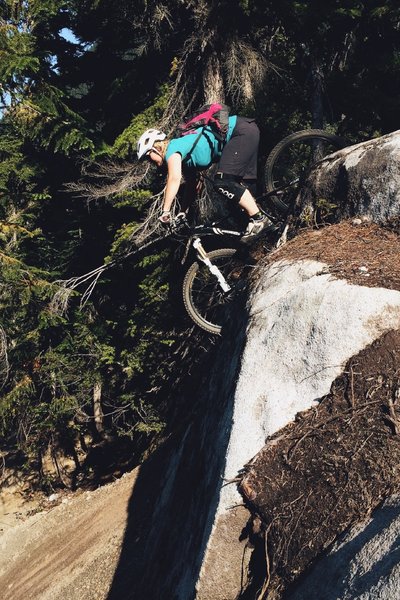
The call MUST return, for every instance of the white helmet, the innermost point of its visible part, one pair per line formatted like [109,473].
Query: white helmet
[147,140]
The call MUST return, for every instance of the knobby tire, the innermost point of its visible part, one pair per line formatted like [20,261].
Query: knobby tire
[275,172]
[204,300]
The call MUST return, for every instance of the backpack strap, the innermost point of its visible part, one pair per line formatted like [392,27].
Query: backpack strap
[203,132]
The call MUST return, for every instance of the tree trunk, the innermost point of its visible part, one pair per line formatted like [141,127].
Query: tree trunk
[213,81]
[317,108]
[4,365]
[97,409]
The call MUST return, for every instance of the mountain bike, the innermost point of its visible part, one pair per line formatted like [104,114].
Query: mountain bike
[214,278]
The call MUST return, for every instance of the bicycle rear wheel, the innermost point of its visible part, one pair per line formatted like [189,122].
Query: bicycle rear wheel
[203,297]
[290,161]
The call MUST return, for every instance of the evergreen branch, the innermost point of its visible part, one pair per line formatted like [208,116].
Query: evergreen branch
[9,260]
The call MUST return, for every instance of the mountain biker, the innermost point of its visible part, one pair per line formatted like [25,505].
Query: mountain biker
[236,172]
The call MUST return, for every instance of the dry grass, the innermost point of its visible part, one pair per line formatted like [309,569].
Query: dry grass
[365,254]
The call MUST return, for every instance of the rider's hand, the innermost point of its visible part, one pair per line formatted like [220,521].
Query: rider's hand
[165,218]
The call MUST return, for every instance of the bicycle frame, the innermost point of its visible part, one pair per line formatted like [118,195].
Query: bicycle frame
[181,228]
[181,231]
[202,255]
[194,240]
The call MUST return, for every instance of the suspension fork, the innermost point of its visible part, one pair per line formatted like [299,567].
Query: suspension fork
[202,255]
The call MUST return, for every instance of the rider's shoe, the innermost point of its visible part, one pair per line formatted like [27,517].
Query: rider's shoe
[256,227]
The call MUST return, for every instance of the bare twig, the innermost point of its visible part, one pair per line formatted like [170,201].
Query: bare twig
[4,364]
[267,580]
[393,418]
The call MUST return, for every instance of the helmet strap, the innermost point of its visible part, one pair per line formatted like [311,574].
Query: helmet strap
[157,152]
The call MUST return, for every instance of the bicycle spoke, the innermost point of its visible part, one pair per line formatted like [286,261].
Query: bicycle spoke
[204,299]
[290,162]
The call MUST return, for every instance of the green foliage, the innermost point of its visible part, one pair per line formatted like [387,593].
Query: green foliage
[324,210]
[125,143]
[16,59]
[16,170]
[122,240]
[37,106]
[66,101]
[133,198]
[47,121]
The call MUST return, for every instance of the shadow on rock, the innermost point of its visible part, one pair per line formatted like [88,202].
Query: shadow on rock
[173,503]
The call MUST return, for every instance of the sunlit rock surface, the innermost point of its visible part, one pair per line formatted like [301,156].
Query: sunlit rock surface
[363,179]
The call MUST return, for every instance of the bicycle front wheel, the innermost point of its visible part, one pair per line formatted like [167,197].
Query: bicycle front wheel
[290,161]
[205,301]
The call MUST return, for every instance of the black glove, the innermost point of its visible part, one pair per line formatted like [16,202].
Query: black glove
[179,222]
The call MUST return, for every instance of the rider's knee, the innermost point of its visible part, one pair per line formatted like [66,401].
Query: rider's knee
[229,187]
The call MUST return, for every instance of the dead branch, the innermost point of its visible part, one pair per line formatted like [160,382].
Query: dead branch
[4,364]
[393,418]
[267,580]
[360,408]
[109,179]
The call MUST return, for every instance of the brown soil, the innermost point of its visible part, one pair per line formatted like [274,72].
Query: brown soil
[330,468]
[17,504]
[70,551]
[365,254]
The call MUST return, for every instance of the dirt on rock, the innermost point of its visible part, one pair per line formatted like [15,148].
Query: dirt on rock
[336,463]
[68,551]
[329,469]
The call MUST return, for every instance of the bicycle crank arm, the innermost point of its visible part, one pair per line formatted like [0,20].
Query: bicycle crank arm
[202,255]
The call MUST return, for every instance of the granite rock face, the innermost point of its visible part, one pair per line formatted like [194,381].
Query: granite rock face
[363,179]
[363,565]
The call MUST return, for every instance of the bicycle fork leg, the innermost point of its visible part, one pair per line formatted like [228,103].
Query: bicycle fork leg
[202,255]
